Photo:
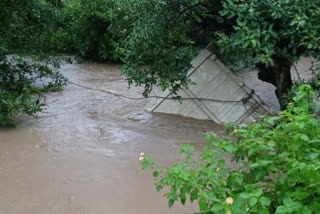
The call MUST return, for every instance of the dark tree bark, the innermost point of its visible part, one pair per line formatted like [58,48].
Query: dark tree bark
[279,75]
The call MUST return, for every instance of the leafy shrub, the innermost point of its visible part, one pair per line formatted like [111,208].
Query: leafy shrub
[27,25]
[314,82]
[85,30]
[97,29]
[88,26]
[159,49]
[277,166]
[22,84]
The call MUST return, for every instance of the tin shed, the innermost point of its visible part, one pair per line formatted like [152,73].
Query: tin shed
[218,95]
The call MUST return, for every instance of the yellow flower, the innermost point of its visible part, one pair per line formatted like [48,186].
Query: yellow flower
[218,169]
[229,212]
[235,131]
[229,200]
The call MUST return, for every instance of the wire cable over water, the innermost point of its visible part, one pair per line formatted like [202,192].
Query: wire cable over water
[243,100]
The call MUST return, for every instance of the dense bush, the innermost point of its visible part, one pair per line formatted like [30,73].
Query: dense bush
[86,29]
[94,29]
[270,34]
[76,27]
[22,85]
[277,166]
[159,49]
[314,82]
[27,25]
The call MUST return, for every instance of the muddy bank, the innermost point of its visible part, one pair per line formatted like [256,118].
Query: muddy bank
[81,155]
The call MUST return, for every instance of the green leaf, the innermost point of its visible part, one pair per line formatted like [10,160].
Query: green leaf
[313,156]
[178,183]
[183,200]
[281,210]
[194,195]
[229,148]
[215,143]
[155,174]
[264,201]
[170,203]
[254,165]
[254,43]
[144,165]
[203,204]
[253,201]
[212,197]
[245,195]
[158,187]
[217,207]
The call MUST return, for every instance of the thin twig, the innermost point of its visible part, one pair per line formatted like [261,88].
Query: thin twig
[295,68]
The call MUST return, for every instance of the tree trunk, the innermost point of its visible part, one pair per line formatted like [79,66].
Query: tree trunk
[279,75]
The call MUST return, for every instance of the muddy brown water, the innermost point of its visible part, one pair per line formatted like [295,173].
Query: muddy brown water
[81,155]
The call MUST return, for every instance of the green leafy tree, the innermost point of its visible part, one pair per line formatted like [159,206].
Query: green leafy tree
[159,49]
[95,29]
[27,25]
[276,33]
[22,87]
[273,34]
[276,166]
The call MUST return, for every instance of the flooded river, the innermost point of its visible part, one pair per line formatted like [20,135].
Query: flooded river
[81,155]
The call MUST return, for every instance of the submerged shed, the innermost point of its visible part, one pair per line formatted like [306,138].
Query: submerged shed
[218,95]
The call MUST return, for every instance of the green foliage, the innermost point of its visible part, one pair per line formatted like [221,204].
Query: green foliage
[94,29]
[159,49]
[276,166]
[314,82]
[27,25]
[271,28]
[275,33]
[86,30]
[22,84]
[79,27]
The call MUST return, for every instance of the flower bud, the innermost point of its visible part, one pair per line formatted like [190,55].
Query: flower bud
[229,200]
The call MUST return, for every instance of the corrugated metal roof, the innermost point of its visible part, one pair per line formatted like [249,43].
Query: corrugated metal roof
[218,95]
